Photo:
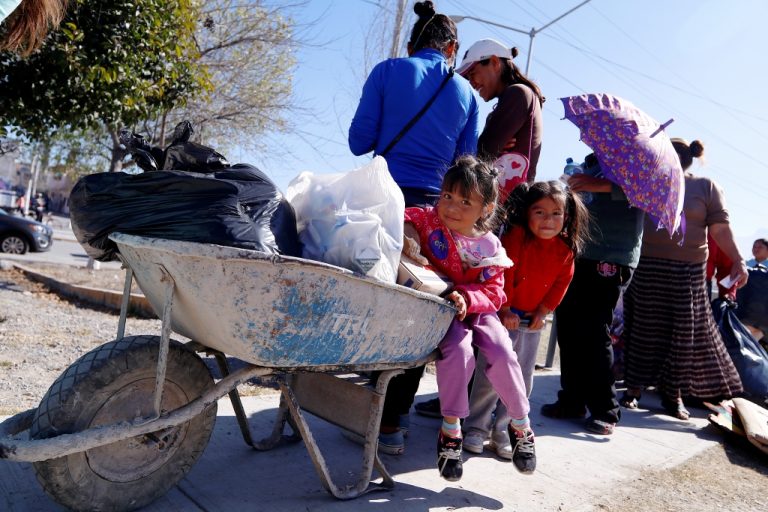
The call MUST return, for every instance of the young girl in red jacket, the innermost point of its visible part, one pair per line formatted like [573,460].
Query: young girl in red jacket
[456,237]
[546,228]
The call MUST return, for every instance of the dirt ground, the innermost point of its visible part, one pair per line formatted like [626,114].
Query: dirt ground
[731,476]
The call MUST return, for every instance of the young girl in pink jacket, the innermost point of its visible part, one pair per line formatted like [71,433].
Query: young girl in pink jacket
[456,238]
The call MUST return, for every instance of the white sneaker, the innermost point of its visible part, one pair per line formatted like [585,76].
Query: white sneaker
[473,442]
[500,444]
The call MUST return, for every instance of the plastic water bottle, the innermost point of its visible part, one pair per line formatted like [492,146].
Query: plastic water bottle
[572,168]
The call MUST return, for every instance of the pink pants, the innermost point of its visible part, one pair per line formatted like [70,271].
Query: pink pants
[455,367]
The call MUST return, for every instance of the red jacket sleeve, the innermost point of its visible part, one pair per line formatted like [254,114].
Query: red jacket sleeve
[485,297]
[556,293]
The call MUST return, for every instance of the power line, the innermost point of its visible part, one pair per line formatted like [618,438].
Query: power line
[699,93]
[654,99]
[739,183]
[662,82]
[572,37]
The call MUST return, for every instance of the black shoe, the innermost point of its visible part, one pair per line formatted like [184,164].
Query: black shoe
[449,457]
[523,450]
[430,408]
[601,427]
[559,411]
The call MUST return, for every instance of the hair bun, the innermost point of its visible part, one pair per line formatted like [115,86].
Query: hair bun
[515,52]
[697,148]
[424,9]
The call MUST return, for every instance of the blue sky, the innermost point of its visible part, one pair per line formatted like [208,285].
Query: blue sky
[699,62]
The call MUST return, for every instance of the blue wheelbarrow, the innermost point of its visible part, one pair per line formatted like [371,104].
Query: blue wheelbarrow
[125,422]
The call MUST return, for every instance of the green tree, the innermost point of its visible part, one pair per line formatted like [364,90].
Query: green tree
[247,47]
[112,63]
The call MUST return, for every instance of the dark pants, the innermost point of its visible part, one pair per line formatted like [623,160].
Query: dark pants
[403,388]
[584,320]
[400,395]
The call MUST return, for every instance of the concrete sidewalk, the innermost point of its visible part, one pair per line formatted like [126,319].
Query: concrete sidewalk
[575,469]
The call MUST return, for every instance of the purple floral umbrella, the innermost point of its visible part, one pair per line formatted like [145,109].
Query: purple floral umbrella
[634,153]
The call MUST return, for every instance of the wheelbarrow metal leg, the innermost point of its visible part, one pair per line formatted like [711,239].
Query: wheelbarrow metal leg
[26,450]
[278,429]
[165,340]
[309,391]
[124,302]
[234,398]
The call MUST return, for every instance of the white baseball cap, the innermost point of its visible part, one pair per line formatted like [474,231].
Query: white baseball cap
[482,50]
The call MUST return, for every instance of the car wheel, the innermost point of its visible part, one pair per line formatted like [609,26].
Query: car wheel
[13,244]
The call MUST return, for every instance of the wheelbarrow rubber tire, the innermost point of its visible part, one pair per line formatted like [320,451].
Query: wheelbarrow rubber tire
[115,382]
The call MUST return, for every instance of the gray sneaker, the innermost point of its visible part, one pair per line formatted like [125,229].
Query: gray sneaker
[500,444]
[474,442]
[392,444]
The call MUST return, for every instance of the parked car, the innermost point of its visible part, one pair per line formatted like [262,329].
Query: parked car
[19,235]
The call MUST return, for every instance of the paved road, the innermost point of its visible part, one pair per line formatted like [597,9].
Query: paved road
[576,469]
[65,250]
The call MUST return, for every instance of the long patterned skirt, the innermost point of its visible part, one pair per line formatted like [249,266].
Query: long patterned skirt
[672,341]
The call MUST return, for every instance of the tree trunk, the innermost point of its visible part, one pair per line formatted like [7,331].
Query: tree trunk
[161,138]
[118,152]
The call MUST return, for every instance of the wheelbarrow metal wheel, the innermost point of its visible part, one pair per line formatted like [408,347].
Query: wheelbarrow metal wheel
[112,383]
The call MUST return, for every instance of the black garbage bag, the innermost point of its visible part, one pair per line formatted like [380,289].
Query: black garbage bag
[148,158]
[753,299]
[748,356]
[238,207]
[183,155]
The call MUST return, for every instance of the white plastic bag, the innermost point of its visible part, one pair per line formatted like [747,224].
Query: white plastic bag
[353,220]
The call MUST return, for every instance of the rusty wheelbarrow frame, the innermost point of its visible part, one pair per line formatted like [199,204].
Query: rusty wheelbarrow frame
[327,320]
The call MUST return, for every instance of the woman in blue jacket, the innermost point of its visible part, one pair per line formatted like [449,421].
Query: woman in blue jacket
[395,91]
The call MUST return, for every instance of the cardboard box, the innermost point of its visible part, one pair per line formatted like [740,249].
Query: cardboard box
[425,279]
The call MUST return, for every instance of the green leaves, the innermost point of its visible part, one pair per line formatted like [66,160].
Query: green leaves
[112,62]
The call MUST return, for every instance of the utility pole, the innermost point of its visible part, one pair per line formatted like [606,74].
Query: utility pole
[33,170]
[397,31]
